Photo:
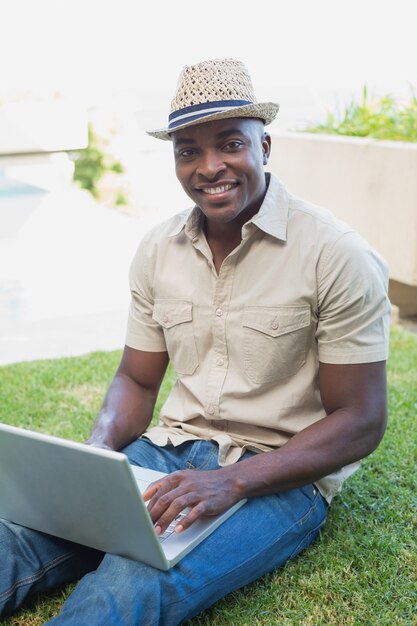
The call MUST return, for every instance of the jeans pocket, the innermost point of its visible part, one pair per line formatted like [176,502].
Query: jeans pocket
[313,520]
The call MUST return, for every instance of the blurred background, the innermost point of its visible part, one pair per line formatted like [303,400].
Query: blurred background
[80,81]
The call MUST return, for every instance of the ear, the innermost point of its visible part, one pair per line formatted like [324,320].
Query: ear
[266,147]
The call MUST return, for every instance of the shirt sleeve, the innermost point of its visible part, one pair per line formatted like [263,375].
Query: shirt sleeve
[353,306]
[143,332]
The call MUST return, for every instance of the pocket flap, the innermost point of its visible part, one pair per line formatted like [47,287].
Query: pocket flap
[169,313]
[276,320]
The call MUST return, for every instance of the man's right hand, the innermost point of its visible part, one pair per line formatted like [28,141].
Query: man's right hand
[98,444]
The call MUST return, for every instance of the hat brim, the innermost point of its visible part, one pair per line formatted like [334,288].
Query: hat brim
[265,111]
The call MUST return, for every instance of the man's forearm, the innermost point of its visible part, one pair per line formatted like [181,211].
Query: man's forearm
[126,413]
[322,448]
[354,398]
[319,450]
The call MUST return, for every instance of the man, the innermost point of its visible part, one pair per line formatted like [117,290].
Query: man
[275,318]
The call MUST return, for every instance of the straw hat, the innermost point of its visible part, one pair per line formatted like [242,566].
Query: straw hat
[214,90]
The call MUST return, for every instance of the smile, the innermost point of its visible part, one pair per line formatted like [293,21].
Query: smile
[216,190]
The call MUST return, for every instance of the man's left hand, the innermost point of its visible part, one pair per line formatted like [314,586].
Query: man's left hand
[204,492]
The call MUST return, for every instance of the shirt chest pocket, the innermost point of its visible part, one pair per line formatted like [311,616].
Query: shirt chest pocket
[275,341]
[176,319]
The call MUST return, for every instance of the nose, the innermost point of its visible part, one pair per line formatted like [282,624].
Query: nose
[210,165]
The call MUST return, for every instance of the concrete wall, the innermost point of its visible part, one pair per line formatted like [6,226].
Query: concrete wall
[372,185]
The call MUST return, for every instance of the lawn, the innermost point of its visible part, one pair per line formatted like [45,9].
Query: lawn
[362,571]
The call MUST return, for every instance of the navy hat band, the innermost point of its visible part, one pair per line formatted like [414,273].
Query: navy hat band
[198,111]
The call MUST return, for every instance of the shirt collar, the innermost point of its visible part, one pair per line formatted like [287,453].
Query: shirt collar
[272,216]
[190,221]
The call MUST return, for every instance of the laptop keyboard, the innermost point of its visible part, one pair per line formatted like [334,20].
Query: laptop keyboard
[172,525]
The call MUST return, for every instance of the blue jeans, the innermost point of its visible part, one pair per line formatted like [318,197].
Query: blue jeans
[258,538]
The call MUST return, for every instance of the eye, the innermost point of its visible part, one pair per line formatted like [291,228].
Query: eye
[186,153]
[234,145]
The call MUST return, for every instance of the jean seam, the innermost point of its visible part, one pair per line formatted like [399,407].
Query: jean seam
[303,543]
[318,499]
[37,576]
[306,516]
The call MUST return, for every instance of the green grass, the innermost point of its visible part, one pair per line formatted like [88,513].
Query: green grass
[384,118]
[362,571]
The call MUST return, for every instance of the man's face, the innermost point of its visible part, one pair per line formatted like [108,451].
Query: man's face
[220,165]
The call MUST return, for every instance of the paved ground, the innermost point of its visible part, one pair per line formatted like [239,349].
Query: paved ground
[64,264]
[64,258]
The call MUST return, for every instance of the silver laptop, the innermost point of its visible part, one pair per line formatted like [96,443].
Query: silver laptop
[88,495]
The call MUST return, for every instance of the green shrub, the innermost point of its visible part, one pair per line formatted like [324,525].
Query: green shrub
[384,118]
[120,199]
[92,163]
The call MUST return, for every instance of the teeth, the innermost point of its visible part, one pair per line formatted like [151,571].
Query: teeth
[213,190]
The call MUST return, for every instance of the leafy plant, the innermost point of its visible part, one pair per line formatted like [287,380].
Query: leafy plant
[120,199]
[384,118]
[92,163]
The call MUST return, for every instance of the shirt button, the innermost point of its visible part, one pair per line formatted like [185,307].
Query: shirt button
[166,318]
[219,312]
[211,409]
[274,325]
[220,361]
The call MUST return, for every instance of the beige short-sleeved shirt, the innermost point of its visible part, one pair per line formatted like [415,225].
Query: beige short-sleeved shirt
[301,287]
